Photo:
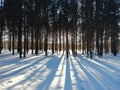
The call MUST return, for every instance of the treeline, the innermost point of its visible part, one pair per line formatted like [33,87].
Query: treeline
[61,25]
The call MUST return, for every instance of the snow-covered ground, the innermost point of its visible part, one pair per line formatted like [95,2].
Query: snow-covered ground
[55,72]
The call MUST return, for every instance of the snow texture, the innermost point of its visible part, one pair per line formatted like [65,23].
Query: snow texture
[56,72]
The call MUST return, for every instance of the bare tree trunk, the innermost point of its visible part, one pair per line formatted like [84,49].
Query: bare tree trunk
[13,40]
[9,44]
[32,39]
[25,37]
[53,33]
[67,44]
[63,42]
[20,40]
[46,44]
[60,38]
[56,43]
[40,40]
[1,46]
[106,46]
[27,40]
[2,25]
[36,40]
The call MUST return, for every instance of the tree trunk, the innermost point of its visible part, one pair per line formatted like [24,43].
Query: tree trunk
[32,38]
[13,40]
[53,33]
[20,40]
[36,40]
[67,44]
[9,44]
[60,38]
[63,42]
[2,26]
[46,44]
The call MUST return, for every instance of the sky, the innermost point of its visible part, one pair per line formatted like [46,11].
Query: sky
[0,2]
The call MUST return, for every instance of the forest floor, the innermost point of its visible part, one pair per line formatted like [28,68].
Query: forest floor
[56,72]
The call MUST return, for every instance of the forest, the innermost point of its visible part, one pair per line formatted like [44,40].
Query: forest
[89,26]
[59,44]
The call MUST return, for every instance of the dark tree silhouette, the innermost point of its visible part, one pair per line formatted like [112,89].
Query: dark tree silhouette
[61,25]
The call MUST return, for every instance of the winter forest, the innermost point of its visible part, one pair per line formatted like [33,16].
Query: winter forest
[59,39]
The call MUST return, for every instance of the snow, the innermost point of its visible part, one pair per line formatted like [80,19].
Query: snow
[56,72]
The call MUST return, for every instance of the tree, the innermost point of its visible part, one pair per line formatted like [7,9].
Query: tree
[2,23]
[93,25]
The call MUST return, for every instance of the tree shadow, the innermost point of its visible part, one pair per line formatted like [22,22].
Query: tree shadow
[60,75]
[76,75]
[30,77]
[9,61]
[90,76]
[52,64]
[93,72]
[7,55]
[68,83]
[27,66]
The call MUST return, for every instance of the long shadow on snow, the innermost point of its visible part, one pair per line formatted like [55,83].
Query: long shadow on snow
[58,83]
[22,69]
[96,71]
[31,76]
[53,65]
[89,74]
[68,83]
[18,62]
[79,81]
[10,61]
[107,64]
[6,55]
